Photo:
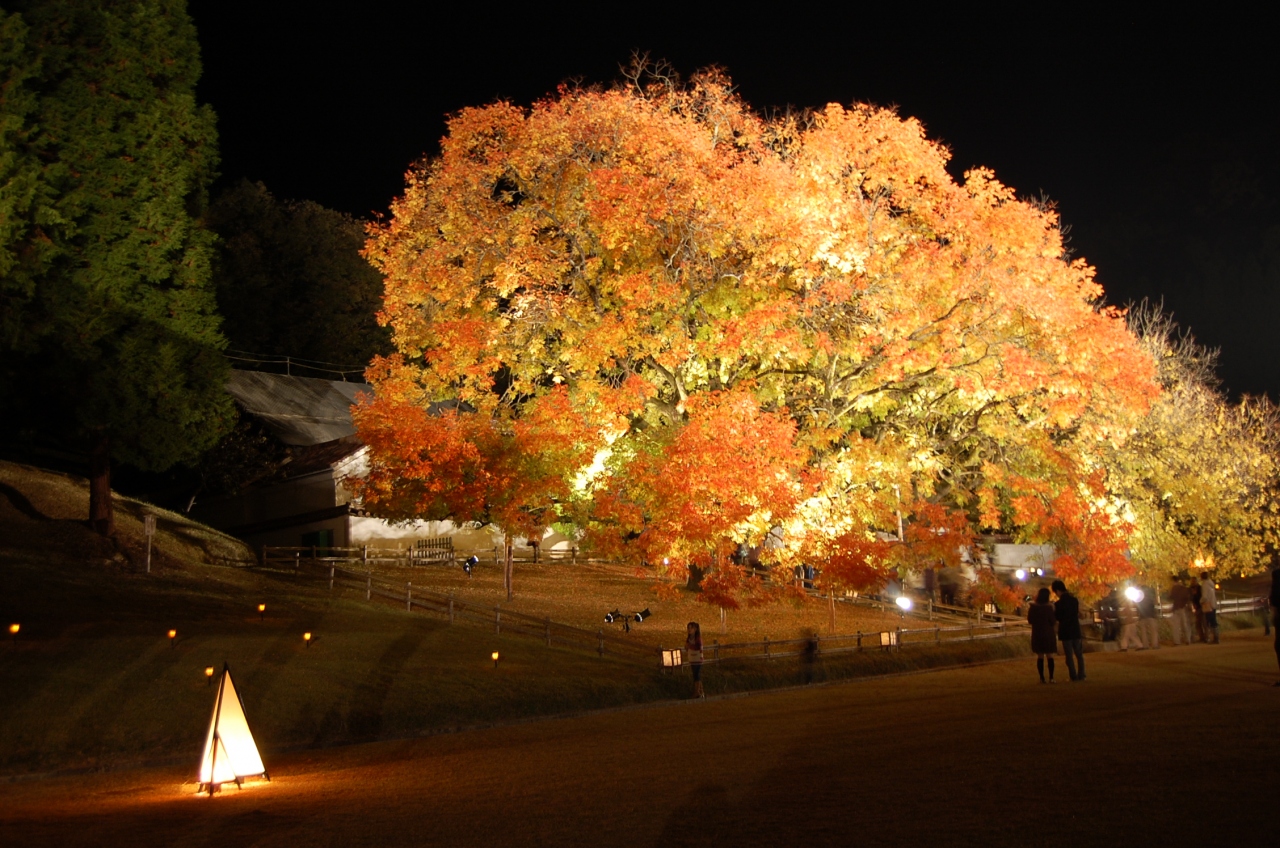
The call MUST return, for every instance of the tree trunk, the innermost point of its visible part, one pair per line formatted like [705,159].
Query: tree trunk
[694,583]
[101,518]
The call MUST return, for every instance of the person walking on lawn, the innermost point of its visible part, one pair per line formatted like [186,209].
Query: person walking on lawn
[1067,611]
[1209,603]
[1274,602]
[1043,643]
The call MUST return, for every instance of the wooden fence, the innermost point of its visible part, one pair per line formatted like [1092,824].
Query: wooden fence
[423,552]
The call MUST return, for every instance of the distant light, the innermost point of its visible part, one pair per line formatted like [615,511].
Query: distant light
[1040,572]
[496,656]
[14,628]
[262,607]
[666,561]
[1020,574]
[1134,594]
[306,637]
[904,602]
[208,675]
[173,636]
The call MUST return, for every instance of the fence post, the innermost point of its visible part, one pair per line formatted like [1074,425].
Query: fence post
[497,620]
[331,567]
[297,560]
[368,587]
[715,649]
[600,637]
[897,640]
[548,631]
[937,634]
[971,631]
[451,609]
[859,640]
[408,596]
[766,647]
[364,555]
[313,552]
[574,549]
[817,644]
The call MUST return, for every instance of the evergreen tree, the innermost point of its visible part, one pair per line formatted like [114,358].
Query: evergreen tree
[291,281]
[112,341]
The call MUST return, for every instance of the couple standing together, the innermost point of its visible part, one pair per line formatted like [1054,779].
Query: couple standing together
[1065,612]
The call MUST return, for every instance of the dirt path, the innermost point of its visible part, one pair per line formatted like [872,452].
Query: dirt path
[1172,747]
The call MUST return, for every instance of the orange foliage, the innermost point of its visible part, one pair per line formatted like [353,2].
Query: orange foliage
[682,325]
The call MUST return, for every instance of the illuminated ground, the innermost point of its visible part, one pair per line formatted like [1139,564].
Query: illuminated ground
[1171,747]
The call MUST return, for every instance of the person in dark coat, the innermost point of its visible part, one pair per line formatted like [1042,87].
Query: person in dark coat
[1043,643]
[1067,611]
[1275,611]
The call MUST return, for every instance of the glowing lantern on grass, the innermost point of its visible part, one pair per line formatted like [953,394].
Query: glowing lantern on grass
[173,636]
[230,754]
[306,637]
[496,656]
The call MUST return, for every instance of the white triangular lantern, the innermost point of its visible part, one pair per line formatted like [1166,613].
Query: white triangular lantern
[229,750]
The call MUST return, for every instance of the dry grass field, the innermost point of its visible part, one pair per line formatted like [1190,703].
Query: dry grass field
[1164,748]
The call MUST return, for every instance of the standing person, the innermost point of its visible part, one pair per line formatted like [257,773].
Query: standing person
[693,650]
[1149,617]
[1129,618]
[1209,603]
[1197,606]
[1274,600]
[1067,611]
[1043,643]
[1180,616]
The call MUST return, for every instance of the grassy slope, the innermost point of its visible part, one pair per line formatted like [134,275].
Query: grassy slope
[92,680]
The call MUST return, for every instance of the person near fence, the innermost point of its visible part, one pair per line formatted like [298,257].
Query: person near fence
[1197,607]
[1274,601]
[693,650]
[1209,603]
[1043,642]
[1180,613]
[1149,617]
[1067,611]
[1129,618]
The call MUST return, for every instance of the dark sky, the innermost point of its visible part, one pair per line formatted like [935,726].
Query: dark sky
[1157,137]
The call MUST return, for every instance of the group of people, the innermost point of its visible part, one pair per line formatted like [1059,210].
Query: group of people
[1065,614]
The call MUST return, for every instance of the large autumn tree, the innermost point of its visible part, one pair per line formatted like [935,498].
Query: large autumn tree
[111,336]
[746,324]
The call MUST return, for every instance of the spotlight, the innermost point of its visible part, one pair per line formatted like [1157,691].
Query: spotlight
[611,617]
[469,563]
[1134,594]
[642,615]
[903,602]
[1020,574]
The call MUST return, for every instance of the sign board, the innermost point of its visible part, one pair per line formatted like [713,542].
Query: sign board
[149,525]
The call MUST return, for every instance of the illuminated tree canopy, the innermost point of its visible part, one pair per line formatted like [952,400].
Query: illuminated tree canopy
[680,326]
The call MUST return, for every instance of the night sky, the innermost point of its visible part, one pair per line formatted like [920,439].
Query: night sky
[1156,136]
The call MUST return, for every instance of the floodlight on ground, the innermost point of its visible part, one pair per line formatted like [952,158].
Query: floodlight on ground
[1133,593]
[611,617]
[642,615]
[306,637]
[495,656]
[1039,572]
[173,636]
[672,659]
[470,563]
[208,675]
[903,602]
[1020,574]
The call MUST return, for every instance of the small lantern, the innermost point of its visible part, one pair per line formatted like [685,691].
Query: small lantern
[888,638]
[173,636]
[262,611]
[496,656]
[672,659]
[13,631]
[208,674]
[306,637]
